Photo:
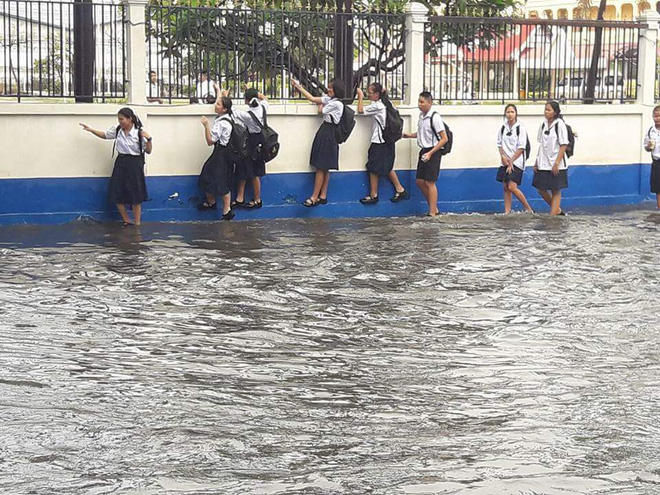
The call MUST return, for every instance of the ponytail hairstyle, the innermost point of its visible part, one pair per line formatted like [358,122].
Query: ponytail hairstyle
[555,108]
[137,123]
[381,92]
[252,97]
[226,103]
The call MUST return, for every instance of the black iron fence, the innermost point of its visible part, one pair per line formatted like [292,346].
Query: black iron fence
[45,43]
[469,59]
[264,49]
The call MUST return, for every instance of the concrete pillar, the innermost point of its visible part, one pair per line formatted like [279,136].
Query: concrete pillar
[415,20]
[646,70]
[136,51]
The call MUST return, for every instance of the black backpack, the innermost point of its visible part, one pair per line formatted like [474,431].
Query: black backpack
[446,149]
[528,146]
[393,129]
[345,126]
[570,148]
[238,143]
[270,145]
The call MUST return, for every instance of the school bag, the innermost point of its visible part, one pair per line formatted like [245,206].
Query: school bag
[446,149]
[270,145]
[570,148]
[238,143]
[528,146]
[393,129]
[345,126]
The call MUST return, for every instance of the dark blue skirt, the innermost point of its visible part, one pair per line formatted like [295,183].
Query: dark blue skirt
[547,181]
[127,184]
[515,176]
[325,150]
[655,177]
[217,172]
[380,160]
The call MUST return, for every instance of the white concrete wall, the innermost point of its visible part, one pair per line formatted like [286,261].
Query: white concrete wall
[45,140]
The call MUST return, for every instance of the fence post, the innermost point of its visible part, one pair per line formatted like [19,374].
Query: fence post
[646,70]
[416,16]
[136,50]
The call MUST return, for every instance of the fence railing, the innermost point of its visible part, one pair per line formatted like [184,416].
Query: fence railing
[41,49]
[266,48]
[468,59]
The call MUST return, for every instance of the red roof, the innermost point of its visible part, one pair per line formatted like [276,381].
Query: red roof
[504,48]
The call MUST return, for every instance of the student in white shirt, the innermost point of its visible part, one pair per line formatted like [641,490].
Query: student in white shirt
[325,149]
[255,167]
[380,159]
[431,137]
[511,142]
[652,144]
[205,92]
[152,91]
[127,184]
[217,173]
[550,168]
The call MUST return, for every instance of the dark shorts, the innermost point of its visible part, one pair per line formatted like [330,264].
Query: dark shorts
[655,177]
[545,180]
[515,176]
[430,170]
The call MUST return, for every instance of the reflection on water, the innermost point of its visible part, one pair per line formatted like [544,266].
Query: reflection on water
[465,354]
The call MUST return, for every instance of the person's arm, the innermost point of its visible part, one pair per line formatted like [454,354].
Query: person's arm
[562,136]
[360,102]
[314,99]
[207,131]
[148,147]
[97,133]
[503,158]
[647,142]
[409,135]
[442,135]
[262,97]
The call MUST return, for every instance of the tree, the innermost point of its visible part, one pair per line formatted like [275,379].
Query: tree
[590,89]
[303,38]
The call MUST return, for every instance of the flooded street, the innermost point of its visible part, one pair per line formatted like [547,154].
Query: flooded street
[465,354]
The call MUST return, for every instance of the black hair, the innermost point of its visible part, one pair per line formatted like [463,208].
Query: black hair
[251,94]
[152,72]
[130,114]
[555,108]
[382,92]
[656,109]
[339,88]
[427,96]
[511,105]
[204,72]
[226,103]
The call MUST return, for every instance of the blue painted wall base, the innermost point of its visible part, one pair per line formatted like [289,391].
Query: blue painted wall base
[175,198]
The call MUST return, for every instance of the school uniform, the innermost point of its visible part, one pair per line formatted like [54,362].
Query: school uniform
[152,91]
[325,149]
[255,166]
[218,170]
[550,138]
[654,135]
[511,139]
[127,184]
[428,127]
[380,158]
[205,92]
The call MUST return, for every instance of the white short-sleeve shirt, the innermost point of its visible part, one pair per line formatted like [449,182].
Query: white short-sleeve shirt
[152,91]
[425,135]
[512,139]
[333,109]
[550,139]
[378,111]
[126,144]
[221,131]
[248,121]
[653,134]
